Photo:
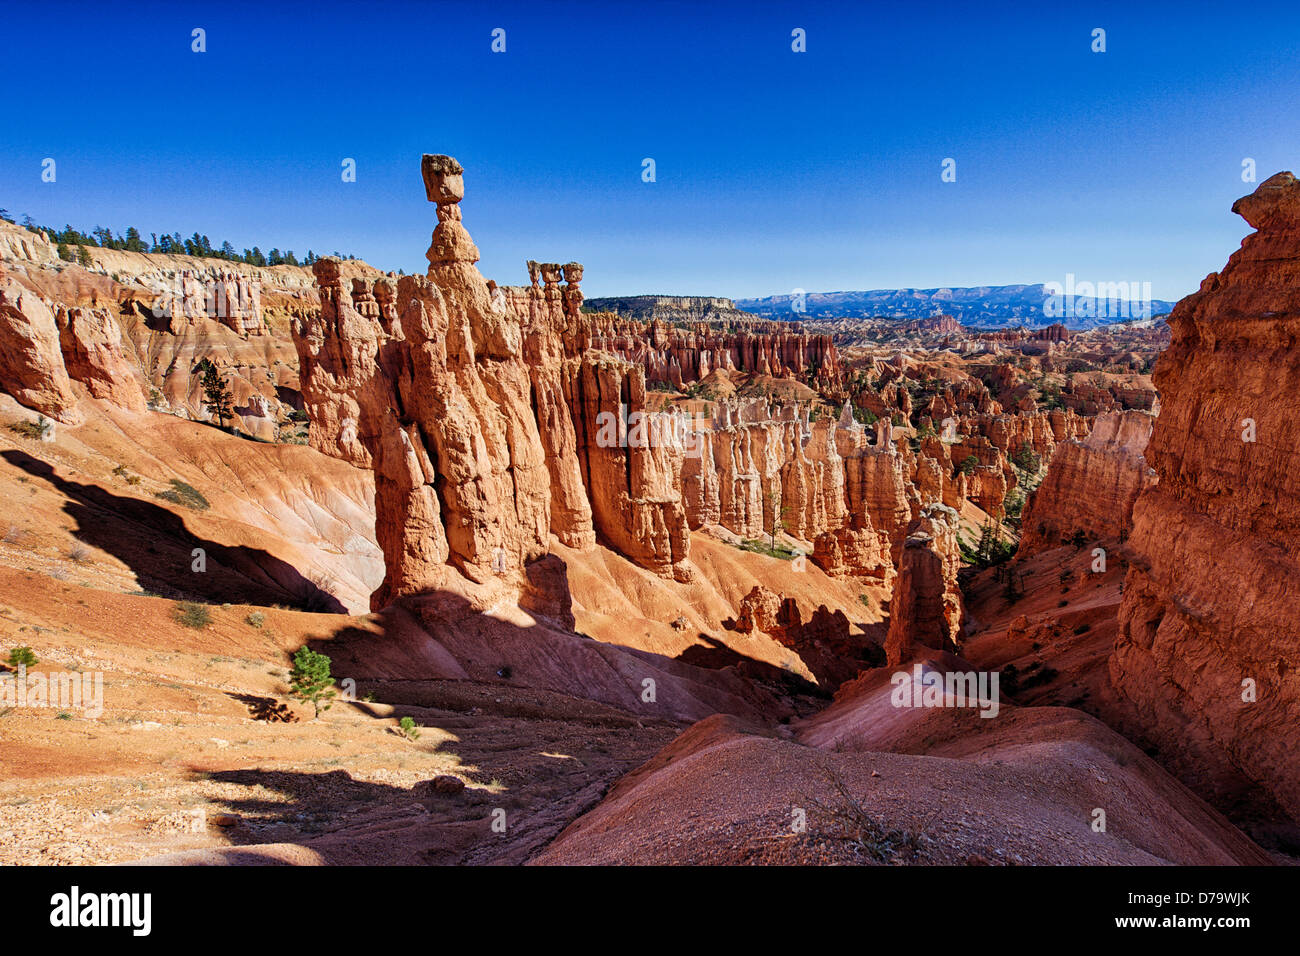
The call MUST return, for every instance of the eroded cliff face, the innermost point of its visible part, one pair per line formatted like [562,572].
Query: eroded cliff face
[437,404]
[494,417]
[94,354]
[1092,485]
[926,607]
[135,327]
[1208,636]
[680,356]
[632,477]
[31,363]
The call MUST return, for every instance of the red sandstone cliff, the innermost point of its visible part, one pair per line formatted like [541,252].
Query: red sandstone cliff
[1091,485]
[496,416]
[1208,633]
[926,607]
[31,363]
[679,356]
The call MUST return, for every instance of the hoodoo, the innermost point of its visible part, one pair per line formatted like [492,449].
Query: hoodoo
[484,411]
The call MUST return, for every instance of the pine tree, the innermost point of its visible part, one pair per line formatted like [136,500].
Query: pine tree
[216,393]
[83,257]
[310,678]
[22,657]
[779,513]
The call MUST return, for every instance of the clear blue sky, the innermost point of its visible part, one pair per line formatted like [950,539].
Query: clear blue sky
[775,169]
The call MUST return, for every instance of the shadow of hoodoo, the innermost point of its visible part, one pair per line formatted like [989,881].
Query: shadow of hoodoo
[156,545]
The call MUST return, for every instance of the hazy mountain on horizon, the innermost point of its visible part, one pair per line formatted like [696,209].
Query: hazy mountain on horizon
[985,306]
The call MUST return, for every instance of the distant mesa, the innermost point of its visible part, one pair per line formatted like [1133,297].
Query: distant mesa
[972,306]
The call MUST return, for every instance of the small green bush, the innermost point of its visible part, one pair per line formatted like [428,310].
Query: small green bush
[186,495]
[409,730]
[22,657]
[310,679]
[190,614]
[1026,459]
[255,619]
[37,429]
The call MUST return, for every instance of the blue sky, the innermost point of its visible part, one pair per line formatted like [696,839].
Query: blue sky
[775,170]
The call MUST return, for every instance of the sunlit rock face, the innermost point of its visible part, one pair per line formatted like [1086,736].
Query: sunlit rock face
[1206,653]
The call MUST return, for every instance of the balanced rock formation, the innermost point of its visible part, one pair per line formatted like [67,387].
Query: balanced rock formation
[1091,485]
[1208,637]
[487,431]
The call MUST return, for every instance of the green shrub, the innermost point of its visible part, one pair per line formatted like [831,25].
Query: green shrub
[22,657]
[37,429]
[409,730]
[310,679]
[190,614]
[255,619]
[185,495]
[1026,460]
[758,546]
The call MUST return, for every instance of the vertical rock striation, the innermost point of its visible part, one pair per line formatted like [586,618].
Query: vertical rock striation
[1092,485]
[926,606]
[1208,635]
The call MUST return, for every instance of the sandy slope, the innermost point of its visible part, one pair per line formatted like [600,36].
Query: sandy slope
[879,784]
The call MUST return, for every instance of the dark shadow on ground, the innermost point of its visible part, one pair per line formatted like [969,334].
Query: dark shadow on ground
[156,545]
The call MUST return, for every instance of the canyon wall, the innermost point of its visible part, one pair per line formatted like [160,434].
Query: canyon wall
[495,416]
[1091,485]
[134,328]
[31,362]
[679,355]
[1208,634]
